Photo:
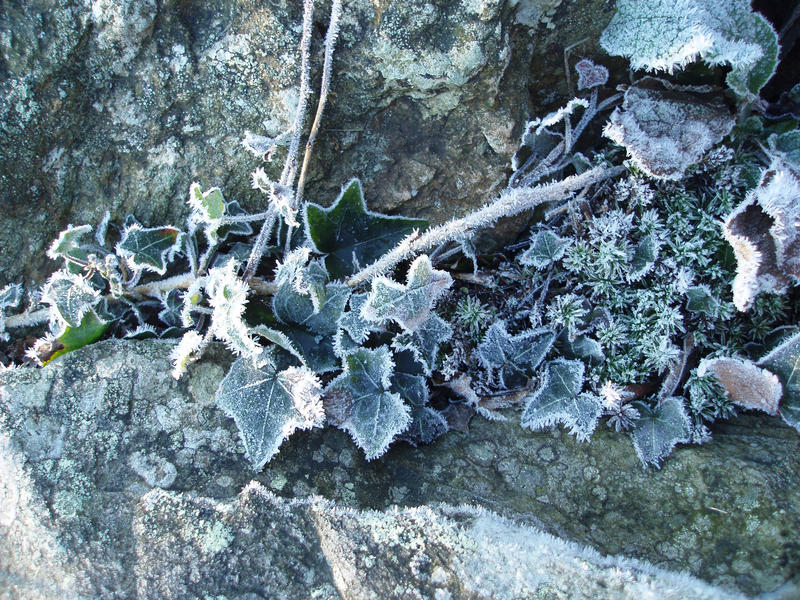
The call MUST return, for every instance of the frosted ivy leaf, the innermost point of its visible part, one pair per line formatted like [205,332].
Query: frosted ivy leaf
[424,341]
[668,34]
[745,384]
[659,429]
[764,231]
[70,297]
[293,308]
[227,295]
[644,258]
[784,361]
[269,400]
[786,146]
[410,304]
[149,248]
[699,299]
[545,249]
[208,206]
[67,244]
[426,423]
[356,326]
[558,400]
[519,354]
[376,415]
[666,128]
[170,315]
[590,75]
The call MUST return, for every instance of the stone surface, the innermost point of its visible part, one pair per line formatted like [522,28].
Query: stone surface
[86,438]
[122,104]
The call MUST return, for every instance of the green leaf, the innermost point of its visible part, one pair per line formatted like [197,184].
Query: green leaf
[88,332]
[67,245]
[644,257]
[658,430]
[70,297]
[269,400]
[424,341]
[514,355]
[356,326]
[666,34]
[149,248]
[786,146]
[699,299]
[784,361]
[208,206]
[545,249]
[426,423]
[227,295]
[352,236]
[410,304]
[10,296]
[558,400]
[376,416]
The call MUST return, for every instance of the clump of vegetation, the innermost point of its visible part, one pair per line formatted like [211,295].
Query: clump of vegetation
[619,306]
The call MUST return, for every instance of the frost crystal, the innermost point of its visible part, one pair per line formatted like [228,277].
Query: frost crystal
[666,128]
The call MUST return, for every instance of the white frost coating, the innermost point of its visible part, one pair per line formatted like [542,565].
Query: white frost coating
[746,384]
[666,128]
[764,231]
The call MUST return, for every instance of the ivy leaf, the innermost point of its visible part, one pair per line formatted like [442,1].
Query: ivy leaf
[376,415]
[424,341]
[88,332]
[293,308]
[643,259]
[352,236]
[410,304]
[269,400]
[149,248]
[227,296]
[70,297]
[558,400]
[208,206]
[658,430]
[699,299]
[171,314]
[356,326]
[67,244]
[545,249]
[241,228]
[786,146]
[514,355]
[426,423]
[784,361]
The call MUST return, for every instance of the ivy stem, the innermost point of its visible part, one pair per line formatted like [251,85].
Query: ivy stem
[512,201]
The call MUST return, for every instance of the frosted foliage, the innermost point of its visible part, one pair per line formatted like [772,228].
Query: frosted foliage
[668,34]
[546,248]
[784,361]
[745,384]
[70,297]
[509,354]
[659,429]
[558,400]
[375,415]
[352,322]
[269,401]
[410,304]
[67,244]
[590,75]
[666,128]
[764,231]
[228,296]
[424,341]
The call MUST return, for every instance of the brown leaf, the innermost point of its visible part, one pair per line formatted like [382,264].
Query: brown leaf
[746,384]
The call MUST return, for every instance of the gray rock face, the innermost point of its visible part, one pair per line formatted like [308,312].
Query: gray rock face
[120,104]
[84,441]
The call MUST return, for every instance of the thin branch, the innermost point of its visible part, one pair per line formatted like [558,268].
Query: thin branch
[511,202]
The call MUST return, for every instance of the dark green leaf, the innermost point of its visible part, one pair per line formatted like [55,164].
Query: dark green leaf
[659,429]
[784,361]
[89,331]
[149,248]
[352,236]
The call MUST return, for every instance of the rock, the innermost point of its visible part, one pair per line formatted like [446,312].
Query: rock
[190,547]
[121,104]
[84,439]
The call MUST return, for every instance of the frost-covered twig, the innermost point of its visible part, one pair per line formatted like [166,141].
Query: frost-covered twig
[512,201]
[330,45]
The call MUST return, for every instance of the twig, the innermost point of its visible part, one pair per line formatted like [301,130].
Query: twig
[511,202]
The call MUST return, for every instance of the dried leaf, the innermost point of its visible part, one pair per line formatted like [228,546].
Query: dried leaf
[745,384]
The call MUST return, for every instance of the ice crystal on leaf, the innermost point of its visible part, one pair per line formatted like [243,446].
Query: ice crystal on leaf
[659,429]
[269,399]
